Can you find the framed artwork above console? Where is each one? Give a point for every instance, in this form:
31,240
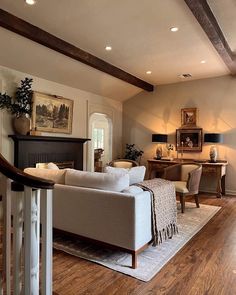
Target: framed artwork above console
189,117
189,140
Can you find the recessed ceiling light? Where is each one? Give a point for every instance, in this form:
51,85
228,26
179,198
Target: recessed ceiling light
174,29
148,72
30,2
108,48
203,61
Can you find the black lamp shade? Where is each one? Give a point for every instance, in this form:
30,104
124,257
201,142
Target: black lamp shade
159,137
213,137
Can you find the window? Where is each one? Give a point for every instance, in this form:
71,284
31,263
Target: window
98,138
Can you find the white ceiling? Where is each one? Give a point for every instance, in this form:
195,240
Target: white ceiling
137,30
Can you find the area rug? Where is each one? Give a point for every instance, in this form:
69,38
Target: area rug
152,259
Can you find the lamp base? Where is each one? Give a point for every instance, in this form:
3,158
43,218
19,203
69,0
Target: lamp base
159,153
213,154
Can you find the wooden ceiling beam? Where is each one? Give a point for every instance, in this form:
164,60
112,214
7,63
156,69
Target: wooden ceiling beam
23,28
209,24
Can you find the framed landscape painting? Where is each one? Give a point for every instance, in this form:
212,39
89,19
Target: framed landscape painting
189,140
52,114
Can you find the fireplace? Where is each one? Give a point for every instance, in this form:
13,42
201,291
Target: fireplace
30,150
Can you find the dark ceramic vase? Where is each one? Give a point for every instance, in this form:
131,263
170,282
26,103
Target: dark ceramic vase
21,125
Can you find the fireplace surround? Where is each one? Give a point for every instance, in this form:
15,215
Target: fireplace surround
30,150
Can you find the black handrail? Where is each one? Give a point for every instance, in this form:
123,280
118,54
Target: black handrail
23,178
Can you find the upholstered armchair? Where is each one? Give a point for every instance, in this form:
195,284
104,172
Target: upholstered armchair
123,163
186,178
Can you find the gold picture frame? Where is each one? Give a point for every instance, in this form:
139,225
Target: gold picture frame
189,117
189,140
52,113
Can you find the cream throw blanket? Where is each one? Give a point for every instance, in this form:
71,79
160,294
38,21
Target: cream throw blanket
164,210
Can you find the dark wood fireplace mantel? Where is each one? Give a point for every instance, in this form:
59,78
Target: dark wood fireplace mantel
29,150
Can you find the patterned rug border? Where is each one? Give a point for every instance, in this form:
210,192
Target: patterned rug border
133,272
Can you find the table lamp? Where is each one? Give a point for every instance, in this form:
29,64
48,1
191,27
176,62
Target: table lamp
213,138
160,138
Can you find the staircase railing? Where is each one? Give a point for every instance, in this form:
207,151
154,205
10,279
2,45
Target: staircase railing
24,197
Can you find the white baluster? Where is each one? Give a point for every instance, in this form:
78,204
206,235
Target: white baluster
37,229
31,242
1,193
17,241
6,202
46,205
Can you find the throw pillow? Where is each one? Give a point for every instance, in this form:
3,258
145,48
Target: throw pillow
52,166
136,174
58,176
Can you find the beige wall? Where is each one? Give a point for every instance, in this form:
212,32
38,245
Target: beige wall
160,112
85,104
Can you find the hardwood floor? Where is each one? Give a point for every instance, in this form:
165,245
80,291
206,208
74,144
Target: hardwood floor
206,265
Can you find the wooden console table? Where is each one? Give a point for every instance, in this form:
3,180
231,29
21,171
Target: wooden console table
218,170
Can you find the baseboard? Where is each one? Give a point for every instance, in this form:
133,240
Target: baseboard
228,192
231,192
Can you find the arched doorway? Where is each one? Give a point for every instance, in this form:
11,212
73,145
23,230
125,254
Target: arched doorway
100,132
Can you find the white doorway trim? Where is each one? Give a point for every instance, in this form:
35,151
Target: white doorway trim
94,120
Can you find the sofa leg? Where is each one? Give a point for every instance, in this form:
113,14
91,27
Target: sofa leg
197,201
182,202
134,259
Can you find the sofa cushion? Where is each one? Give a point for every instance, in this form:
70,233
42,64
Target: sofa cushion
103,181
58,176
136,174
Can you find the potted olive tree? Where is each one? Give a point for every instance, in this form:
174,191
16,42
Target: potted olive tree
20,106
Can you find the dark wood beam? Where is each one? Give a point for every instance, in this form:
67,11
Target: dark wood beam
209,24
23,28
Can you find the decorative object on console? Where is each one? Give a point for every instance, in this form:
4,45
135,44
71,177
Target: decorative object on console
169,148
213,138
133,153
189,140
20,106
159,138
52,113
189,117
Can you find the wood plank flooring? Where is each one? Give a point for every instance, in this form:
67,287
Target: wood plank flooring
206,265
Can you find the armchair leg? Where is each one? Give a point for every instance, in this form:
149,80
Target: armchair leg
182,202
196,200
